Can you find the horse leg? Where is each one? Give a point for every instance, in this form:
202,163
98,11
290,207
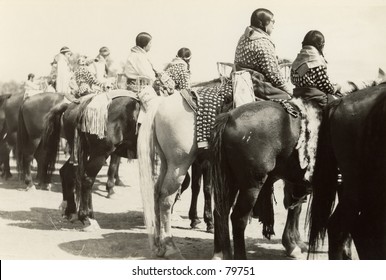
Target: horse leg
172,181
222,242
27,172
5,151
92,166
67,175
208,217
44,181
111,173
118,181
196,176
291,239
240,216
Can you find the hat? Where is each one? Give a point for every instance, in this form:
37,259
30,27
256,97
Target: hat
65,50
104,51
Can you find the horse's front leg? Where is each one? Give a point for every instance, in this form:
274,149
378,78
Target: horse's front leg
208,217
196,176
291,238
67,176
86,212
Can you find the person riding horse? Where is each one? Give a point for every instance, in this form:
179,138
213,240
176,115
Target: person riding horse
179,69
309,71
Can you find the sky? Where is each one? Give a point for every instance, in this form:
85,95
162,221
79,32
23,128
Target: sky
33,31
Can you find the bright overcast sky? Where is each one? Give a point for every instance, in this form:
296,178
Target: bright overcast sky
33,31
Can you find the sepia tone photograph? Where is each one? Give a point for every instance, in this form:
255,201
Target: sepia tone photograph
192,130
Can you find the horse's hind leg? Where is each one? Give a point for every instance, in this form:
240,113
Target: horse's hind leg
118,181
111,174
240,215
172,181
92,166
44,181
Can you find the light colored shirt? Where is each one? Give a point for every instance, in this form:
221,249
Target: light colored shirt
138,64
64,75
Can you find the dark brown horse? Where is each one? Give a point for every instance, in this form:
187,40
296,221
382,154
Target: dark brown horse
120,140
353,139
9,112
30,127
253,146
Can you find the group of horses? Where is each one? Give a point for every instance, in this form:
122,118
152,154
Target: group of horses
252,146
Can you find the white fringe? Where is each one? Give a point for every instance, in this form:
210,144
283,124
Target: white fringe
96,115
308,138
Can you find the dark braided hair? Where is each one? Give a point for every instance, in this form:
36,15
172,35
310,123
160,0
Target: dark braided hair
314,38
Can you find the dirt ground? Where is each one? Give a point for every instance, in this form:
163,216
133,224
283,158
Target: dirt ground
31,226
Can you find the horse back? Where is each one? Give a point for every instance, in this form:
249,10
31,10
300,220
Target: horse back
261,134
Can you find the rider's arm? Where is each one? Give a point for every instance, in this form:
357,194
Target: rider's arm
268,64
321,80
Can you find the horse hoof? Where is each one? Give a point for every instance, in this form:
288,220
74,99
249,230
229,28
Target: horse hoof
217,257
296,253
210,229
94,226
110,193
194,224
47,187
30,188
119,183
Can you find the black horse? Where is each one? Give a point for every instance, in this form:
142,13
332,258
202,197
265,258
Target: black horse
120,141
353,139
253,146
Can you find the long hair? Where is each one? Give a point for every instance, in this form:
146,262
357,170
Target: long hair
260,18
314,38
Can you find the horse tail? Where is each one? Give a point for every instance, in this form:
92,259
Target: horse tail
325,186
147,160
21,141
220,177
51,138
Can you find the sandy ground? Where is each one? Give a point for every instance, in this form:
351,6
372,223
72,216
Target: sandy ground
31,226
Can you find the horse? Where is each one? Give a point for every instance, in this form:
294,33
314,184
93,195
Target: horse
200,169
9,110
120,141
29,134
352,142
169,131
253,145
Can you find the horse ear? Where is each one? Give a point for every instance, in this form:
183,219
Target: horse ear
381,76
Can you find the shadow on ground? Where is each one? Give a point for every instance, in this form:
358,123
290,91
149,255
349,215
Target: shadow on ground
51,219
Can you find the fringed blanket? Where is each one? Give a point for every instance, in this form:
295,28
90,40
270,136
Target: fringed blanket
94,120
308,138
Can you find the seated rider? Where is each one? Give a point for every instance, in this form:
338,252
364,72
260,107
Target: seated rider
85,80
179,69
309,71
31,88
255,50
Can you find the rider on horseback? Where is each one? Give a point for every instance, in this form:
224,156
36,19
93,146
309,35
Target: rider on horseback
309,71
255,50
86,81
179,69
